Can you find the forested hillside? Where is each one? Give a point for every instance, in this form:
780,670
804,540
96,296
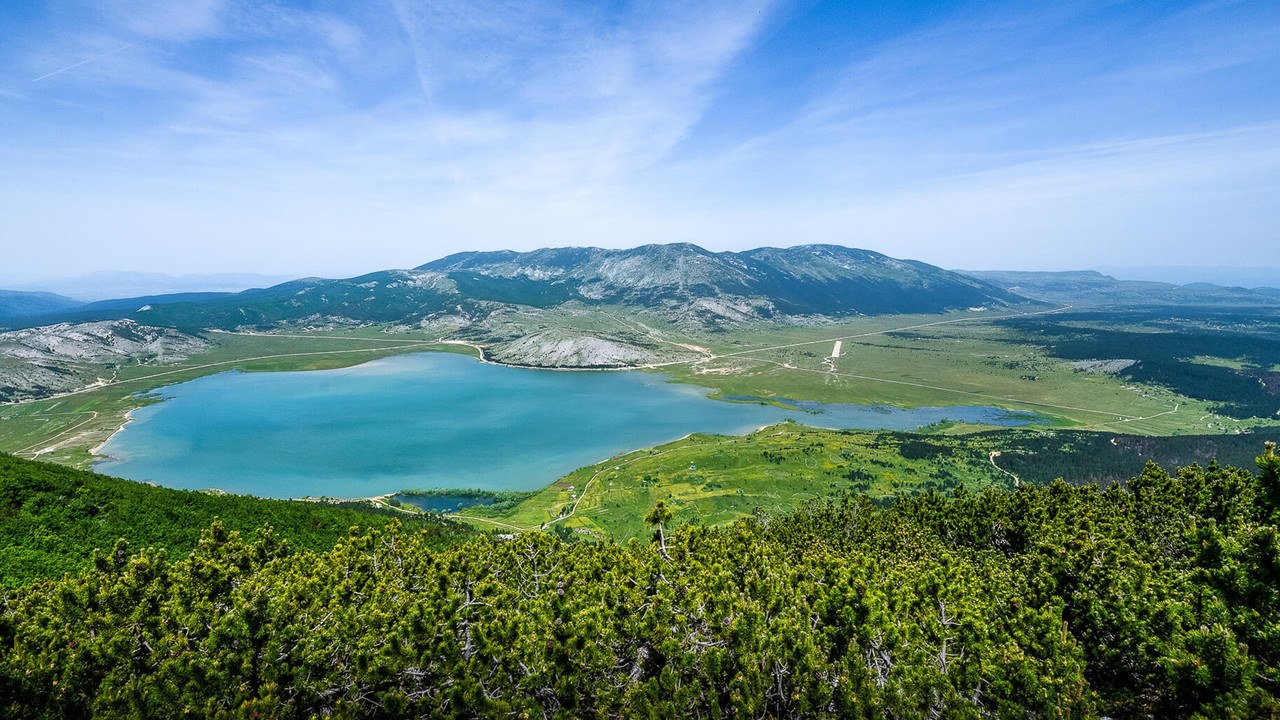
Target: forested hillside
1162,600
16,304
53,517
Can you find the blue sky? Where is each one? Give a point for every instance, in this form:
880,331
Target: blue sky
336,138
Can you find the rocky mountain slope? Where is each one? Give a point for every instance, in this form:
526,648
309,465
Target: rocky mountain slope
680,284
708,287
37,362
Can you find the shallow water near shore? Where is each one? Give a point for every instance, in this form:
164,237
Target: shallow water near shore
438,420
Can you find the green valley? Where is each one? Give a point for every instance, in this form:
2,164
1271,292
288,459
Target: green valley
490,360
967,358
716,480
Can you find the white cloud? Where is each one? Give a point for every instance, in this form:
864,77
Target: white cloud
278,144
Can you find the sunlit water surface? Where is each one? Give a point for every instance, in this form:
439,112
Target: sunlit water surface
432,420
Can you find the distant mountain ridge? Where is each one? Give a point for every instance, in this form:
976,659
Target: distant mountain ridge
1092,288
682,283
1253,277
17,304
113,284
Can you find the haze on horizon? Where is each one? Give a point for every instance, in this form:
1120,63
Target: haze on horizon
333,138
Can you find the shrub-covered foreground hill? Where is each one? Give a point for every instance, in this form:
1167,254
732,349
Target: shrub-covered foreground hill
53,517
1053,601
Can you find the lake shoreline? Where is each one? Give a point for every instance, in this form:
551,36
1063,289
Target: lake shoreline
440,420
96,451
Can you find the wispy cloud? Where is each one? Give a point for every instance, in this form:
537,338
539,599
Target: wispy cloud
579,97
173,21
86,61
980,91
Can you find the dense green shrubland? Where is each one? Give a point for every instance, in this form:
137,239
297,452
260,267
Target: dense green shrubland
1053,601
53,517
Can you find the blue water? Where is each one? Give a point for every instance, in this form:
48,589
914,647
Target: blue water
443,503
438,420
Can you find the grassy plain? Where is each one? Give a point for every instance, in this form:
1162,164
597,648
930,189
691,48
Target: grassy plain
713,479
972,362
961,358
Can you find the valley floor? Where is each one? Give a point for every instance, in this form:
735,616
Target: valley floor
969,358
715,480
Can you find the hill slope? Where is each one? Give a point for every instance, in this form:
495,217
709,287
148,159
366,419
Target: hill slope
35,362
18,305
52,518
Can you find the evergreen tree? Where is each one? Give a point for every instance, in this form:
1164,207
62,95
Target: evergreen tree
1269,484
658,517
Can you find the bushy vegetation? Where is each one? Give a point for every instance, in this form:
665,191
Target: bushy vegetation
1055,601
52,518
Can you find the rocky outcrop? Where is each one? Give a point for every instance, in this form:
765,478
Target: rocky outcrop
99,342
43,361
558,348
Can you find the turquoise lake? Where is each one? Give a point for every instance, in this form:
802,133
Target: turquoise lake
432,420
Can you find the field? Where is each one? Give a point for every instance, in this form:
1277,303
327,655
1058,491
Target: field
713,480
962,358
973,361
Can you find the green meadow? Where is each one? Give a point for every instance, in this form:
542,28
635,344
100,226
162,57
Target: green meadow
974,362
714,480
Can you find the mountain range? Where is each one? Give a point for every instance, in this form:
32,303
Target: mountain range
1092,288
680,283
110,284
577,307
